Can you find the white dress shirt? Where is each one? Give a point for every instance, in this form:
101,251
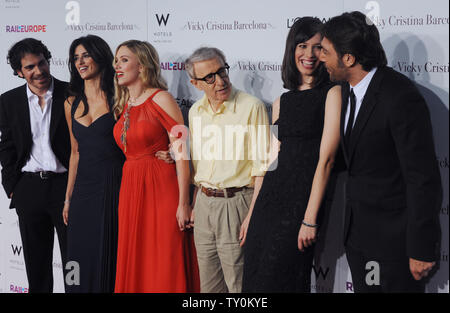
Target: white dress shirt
360,90
42,157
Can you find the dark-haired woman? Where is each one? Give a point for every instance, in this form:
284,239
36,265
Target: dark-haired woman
95,169
279,243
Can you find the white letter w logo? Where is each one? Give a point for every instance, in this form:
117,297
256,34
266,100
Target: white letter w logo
162,19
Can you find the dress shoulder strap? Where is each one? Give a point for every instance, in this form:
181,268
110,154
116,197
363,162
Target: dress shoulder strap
75,104
165,119
155,93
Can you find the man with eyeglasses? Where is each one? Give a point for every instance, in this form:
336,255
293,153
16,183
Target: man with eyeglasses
228,128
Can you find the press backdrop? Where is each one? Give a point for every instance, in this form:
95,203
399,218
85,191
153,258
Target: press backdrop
252,33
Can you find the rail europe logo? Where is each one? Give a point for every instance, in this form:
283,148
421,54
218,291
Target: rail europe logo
17,289
172,66
26,28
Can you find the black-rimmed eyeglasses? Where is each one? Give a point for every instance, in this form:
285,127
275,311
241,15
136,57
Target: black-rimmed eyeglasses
211,77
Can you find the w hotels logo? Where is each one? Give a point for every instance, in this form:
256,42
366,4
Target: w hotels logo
16,250
320,272
162,19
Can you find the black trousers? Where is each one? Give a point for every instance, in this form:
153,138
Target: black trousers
39,204
394,276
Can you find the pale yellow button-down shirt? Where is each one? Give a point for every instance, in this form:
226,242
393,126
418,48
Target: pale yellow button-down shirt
229,147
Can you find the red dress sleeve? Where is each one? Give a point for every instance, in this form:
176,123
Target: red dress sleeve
172,126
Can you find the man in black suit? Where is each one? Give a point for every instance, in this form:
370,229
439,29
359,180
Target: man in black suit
393,191
34,154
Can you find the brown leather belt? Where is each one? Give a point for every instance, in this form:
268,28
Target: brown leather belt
223,193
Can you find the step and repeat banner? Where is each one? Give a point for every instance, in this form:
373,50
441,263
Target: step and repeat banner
252,34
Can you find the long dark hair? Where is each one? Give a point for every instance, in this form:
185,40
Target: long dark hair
101,53
351,33
302,30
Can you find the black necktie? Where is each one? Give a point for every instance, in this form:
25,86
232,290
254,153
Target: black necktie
351,118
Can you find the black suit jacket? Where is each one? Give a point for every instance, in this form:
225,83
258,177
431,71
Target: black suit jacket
16,138
393,191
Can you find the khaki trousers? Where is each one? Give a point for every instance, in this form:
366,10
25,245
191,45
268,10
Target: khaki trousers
216,234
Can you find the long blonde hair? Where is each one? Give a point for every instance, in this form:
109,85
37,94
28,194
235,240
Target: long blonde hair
150,76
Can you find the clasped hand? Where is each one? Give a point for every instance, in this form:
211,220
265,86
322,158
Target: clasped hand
306,237
185,217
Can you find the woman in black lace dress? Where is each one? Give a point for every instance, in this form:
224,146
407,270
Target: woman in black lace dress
279,237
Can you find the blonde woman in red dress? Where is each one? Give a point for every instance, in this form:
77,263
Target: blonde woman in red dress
155,245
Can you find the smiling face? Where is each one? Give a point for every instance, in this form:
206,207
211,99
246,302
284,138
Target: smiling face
127,66
335,66
307,56
85,64
220,90
36,71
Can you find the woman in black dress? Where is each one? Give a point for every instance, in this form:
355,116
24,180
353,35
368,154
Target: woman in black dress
95,169
279,237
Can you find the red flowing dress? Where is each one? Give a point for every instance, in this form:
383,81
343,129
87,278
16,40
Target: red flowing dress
153,254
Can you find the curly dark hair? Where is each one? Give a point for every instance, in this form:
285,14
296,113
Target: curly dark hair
25,46
101,53
353,34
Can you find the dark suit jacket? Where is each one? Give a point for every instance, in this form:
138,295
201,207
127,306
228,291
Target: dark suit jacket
393,191
16,138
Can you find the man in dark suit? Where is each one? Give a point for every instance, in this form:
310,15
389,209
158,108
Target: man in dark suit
34,155
393,191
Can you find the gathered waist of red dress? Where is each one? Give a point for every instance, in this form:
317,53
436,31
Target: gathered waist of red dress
142,156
